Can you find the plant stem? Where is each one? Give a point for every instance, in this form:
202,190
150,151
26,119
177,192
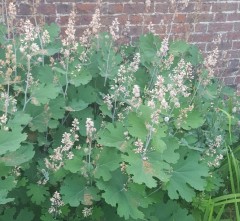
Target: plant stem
26,100
149,137
105,80
66,77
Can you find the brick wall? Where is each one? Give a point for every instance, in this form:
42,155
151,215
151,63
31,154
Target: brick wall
200,23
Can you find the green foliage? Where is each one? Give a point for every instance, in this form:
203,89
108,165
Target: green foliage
100,131
37,193
11,140
117,192
187,174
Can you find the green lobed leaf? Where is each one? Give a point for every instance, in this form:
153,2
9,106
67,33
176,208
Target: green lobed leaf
73,165
44,92
97,214
24,154
39,116
6,185
75,191
76,105
137,126
37,193
112,136
25,215
86,93
128,201
20,119
169,211
142,171
108,161
56,108
8,214
11,140
81,78
178,47
44,74
169,155
194,120
188,175
147,44
158,143
53,30
3,197
194,56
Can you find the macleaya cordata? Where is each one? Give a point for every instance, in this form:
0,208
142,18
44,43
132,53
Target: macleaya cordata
93,129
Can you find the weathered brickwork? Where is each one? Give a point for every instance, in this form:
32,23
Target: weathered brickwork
201,22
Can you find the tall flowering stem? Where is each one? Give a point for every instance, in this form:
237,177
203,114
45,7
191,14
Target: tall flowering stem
90,130
69,47
26,99
56,203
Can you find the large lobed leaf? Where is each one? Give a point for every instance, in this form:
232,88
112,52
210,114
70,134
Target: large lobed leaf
108,161
188,175
127,198
37,193
74,191
11,140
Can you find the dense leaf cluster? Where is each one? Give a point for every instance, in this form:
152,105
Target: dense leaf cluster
145,161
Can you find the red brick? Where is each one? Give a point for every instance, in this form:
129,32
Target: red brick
136,19
155,19
84,19
191,7
179,28
229,80
60,1
204,17
221,46
223,6
63,20
237,81
236,45
50,19
136,30
160,29
79,31
201,46
233,64
220,17
233,17
180,18
115,8
47,9
85,8
201,38
234,54
25,9
220,27
138,1
205,7
64,8
237,26
200,28
233,35
107,20
114,1
134,8
162,8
